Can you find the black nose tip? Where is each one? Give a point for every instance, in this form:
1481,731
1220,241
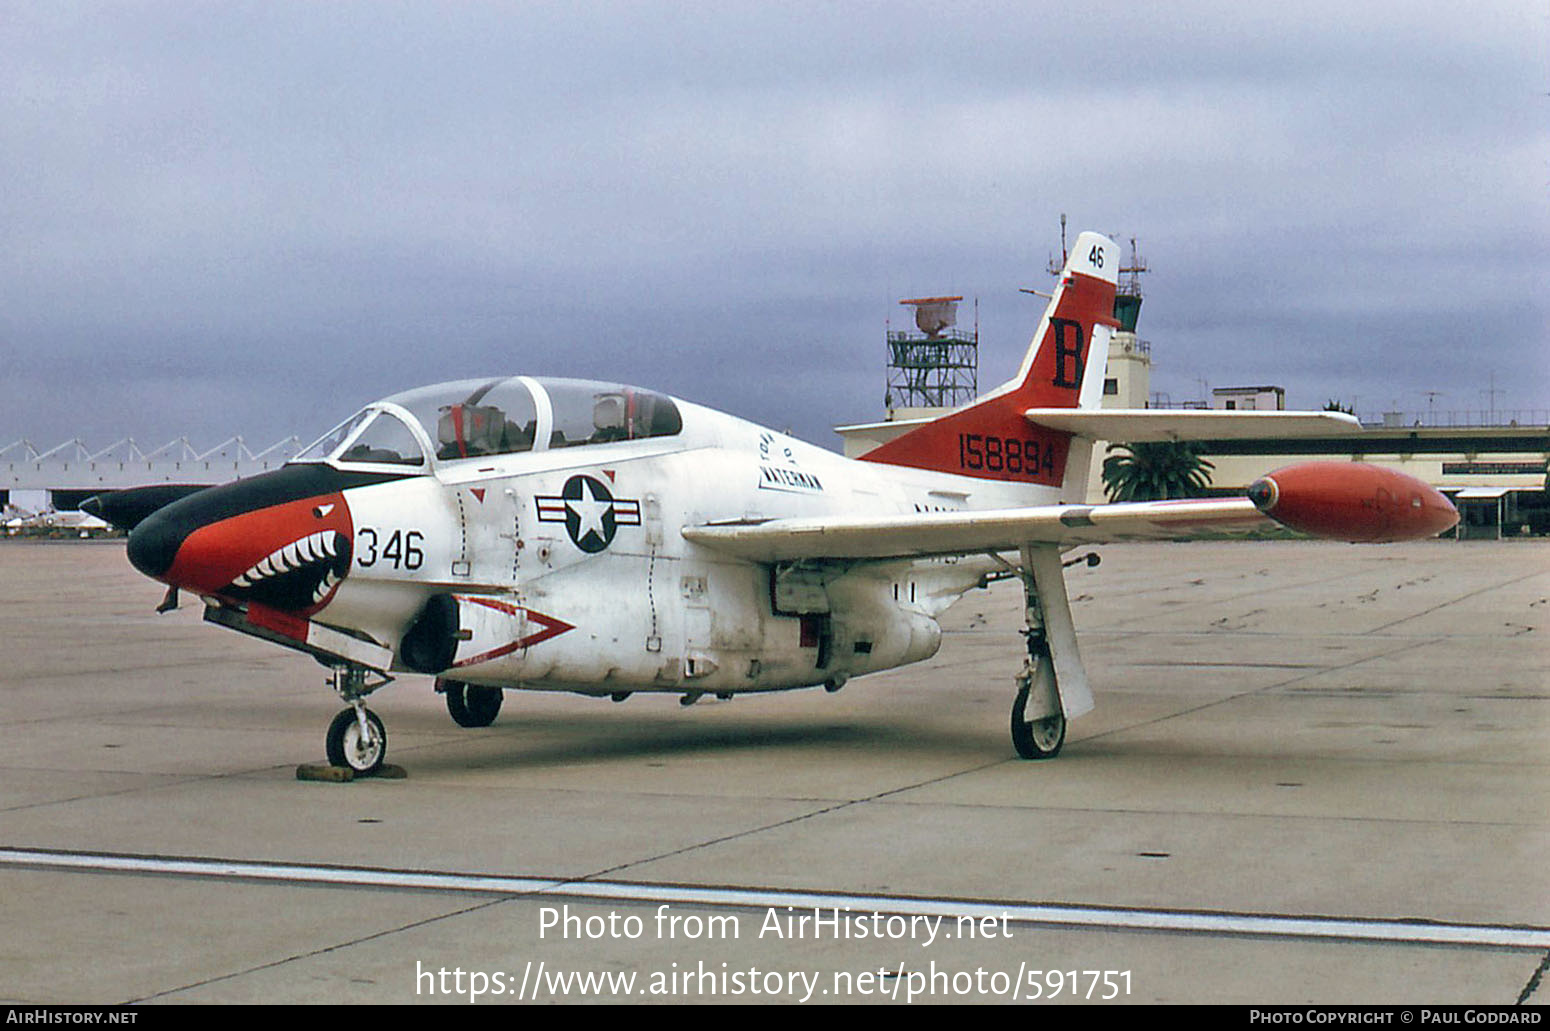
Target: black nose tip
154,543
1263,492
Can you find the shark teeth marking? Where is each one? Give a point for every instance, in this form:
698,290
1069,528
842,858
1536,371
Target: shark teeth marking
329,580
316,547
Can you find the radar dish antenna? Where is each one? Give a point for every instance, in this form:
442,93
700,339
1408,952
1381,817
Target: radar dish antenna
934,314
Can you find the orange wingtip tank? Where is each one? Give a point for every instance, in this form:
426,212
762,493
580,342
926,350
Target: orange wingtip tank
1353,501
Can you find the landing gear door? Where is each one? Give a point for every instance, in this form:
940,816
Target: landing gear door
1076,698
490,527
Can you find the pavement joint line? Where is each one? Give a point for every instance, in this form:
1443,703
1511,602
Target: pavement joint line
799,818
1534,981
1351,572
1240,695
161,780
1453,601
1213,814
320,951
1392,931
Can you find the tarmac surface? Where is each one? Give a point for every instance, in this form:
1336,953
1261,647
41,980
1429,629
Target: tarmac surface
1316,773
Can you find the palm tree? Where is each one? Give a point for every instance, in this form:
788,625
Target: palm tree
1155,471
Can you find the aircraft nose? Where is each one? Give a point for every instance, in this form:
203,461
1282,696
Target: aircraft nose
154,544
281,539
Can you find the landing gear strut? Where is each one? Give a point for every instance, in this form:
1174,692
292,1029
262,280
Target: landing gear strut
1038,713
356,738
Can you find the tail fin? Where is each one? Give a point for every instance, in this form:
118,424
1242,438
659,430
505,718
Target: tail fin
1064,366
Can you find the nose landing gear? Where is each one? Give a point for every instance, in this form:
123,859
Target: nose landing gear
356,738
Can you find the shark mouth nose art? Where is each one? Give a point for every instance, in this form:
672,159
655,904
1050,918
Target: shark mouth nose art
283,539
300,575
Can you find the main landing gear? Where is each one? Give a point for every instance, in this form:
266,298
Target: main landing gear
1038,713
1042,736
356,739
471,705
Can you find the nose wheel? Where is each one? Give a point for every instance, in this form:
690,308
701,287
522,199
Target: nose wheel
357,740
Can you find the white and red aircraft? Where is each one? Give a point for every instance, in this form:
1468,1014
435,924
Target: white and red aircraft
555,534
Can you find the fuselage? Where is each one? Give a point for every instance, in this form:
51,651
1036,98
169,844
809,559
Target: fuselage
525,533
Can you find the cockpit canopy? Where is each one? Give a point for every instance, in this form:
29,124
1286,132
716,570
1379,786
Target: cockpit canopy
478,418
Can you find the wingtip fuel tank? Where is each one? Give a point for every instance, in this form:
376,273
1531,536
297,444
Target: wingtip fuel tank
1353,501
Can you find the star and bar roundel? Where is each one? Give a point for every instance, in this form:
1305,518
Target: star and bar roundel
590,512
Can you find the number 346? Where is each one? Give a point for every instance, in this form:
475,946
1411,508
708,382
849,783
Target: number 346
402,548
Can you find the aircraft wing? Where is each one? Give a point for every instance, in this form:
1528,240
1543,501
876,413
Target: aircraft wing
959,533
1348,501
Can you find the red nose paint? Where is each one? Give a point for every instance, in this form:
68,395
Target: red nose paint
216,557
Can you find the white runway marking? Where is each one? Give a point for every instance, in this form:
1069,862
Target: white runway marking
1183,921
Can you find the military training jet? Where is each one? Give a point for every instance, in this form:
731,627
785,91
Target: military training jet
528,533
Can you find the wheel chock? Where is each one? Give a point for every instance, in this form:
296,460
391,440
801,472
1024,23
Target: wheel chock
343,774
324,772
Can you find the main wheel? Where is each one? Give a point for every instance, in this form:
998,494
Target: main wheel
1036,739
348,747
472,705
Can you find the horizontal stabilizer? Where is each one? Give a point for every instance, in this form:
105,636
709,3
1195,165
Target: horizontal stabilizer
1137,425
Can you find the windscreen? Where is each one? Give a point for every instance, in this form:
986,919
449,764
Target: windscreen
474,418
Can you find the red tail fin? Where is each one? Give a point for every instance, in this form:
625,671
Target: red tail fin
1064,366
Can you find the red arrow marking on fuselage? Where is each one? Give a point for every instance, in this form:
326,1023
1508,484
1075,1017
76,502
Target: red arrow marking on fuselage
550,627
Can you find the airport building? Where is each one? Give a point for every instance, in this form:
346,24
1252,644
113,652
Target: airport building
36,486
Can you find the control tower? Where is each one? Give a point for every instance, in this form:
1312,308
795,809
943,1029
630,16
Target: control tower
1128,378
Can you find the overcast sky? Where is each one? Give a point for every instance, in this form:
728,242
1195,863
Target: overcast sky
232,218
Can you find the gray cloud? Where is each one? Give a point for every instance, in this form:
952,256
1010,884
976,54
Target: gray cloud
250,218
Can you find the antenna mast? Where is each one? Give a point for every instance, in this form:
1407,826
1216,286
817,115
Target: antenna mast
1057,267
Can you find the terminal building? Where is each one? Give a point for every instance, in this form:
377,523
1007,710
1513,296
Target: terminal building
1491,464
